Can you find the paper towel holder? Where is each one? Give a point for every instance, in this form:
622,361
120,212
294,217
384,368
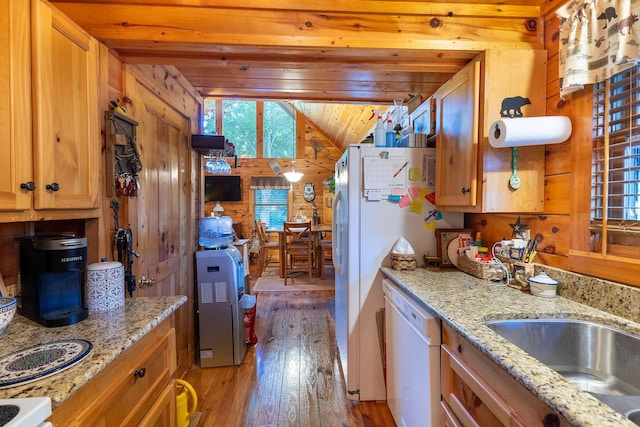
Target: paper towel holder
495,133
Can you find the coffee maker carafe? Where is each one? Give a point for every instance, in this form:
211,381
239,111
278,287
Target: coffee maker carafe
52,272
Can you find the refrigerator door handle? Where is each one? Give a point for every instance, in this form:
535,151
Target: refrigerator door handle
337,231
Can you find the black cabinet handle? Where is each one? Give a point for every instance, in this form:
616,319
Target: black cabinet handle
53,187
140,373
29,186
465,190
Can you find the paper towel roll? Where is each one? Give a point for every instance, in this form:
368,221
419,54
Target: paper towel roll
104,286
523,131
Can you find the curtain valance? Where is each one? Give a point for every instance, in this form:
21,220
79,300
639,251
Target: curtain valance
268,182
598,38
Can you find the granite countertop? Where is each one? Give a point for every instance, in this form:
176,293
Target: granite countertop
111,332
467,303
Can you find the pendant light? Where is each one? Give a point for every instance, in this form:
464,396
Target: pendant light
293,176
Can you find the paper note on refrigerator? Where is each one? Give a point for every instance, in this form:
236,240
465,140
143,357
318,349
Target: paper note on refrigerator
384,174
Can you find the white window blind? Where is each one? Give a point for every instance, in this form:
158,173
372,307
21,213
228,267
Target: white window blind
271,206
615,179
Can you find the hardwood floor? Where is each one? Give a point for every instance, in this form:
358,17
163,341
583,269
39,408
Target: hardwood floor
291,377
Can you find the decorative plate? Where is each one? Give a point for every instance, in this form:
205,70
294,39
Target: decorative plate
452,251
42,360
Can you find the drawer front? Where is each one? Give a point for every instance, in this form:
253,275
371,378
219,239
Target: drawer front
447,418
163,411
137,388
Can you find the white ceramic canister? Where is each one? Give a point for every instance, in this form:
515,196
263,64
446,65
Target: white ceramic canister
104,285
542,285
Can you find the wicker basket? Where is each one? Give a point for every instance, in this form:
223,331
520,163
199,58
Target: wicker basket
403,261
475,268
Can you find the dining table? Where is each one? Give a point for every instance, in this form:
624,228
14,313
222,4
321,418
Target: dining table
316,235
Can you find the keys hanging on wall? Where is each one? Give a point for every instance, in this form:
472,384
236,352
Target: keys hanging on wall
126,184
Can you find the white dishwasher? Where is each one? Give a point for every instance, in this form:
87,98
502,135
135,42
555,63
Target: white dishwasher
412,337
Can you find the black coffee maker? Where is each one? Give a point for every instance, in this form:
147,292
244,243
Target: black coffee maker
52,270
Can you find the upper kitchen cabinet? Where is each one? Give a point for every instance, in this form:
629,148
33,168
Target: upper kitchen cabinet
15,110
66,131
472,176
51,145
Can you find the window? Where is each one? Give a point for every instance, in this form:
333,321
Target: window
271,207
239,126
615,178
279,130
252,124
209,125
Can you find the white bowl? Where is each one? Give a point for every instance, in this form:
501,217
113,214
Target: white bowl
7,311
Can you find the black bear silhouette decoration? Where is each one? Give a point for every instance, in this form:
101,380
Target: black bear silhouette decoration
511,107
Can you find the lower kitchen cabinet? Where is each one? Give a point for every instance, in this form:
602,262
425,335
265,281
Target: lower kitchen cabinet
138,388
476,391
163,411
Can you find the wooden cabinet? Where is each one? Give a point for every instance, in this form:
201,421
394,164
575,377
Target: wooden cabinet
138,388
423,119
54,164
15,110
476,391
457,138
472,176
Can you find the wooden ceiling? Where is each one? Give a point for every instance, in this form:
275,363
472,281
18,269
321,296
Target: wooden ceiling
344,54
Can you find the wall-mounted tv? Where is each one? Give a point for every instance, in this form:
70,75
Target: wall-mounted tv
222,188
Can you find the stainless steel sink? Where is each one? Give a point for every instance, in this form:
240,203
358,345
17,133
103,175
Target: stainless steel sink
599,359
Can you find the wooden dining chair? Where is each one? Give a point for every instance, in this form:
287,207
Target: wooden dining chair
325,253
298,244
265,245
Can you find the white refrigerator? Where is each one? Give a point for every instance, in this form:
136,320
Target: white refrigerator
377,201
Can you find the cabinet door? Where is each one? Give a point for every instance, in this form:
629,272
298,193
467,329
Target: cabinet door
15,110
457,138
66,133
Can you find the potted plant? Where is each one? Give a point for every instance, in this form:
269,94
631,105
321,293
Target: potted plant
331,183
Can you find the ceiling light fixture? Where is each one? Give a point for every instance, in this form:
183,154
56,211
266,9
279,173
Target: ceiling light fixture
293,176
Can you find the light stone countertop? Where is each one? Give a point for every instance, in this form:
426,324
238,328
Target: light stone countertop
111,332
467,303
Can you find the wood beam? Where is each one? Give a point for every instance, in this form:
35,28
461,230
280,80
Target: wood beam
487,8
302,28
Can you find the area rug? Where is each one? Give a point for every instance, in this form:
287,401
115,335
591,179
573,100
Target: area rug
270,281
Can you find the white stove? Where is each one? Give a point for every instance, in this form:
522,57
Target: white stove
25,412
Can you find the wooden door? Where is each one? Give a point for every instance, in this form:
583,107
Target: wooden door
160,214
15,110
66,132
457,138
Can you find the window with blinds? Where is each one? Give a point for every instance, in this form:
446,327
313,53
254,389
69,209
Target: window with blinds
271,206
615,179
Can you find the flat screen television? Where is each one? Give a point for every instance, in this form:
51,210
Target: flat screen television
222,188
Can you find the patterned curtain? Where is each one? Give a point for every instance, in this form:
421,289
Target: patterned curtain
598,38
269,182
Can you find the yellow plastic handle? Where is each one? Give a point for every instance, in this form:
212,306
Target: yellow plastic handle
192,392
